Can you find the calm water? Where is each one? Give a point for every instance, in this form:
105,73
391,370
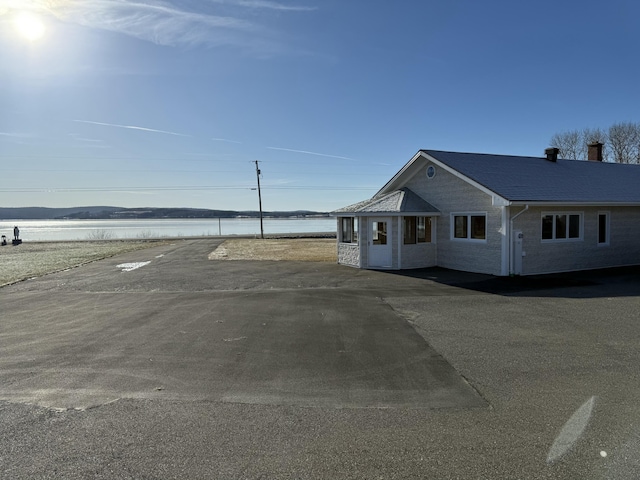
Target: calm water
52,230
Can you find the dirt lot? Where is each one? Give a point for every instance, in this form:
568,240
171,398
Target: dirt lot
36,259
298,249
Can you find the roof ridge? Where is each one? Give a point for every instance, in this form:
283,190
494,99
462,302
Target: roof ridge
400,198
485,154
504,155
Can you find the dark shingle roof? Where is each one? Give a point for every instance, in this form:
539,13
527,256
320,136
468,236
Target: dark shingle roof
398,201
537,179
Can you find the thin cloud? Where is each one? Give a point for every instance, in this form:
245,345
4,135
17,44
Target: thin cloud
83,142
312,153
225,140
84,139
165,22
133,127
14,135
266,4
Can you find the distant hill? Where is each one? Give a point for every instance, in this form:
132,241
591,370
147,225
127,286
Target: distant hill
108,213
42,213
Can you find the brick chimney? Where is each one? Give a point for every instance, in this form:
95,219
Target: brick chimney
552,154
595,152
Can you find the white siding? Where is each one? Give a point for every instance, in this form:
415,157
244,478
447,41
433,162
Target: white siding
396,224
419,255
549,257
448,194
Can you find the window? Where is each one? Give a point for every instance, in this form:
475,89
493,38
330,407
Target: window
417,230
379,233
603,228
349,230
424,230
562,226
469,226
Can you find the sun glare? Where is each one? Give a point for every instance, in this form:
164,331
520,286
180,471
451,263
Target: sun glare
29,26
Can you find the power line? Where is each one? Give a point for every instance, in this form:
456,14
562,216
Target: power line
179,188
155,170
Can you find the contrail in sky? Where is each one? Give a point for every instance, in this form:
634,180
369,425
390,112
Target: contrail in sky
225,140
132,127
311,153
171,22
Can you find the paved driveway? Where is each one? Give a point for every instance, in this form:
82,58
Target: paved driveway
170,324
190,368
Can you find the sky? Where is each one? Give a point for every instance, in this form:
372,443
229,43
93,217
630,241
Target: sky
168,103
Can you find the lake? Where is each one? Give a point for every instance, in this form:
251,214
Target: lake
56,230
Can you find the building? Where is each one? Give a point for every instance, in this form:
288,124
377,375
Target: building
497,214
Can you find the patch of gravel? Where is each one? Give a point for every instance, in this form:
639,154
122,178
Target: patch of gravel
293,249
36,259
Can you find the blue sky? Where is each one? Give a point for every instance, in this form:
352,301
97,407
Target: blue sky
167,103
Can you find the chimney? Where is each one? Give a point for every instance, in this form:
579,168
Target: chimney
552,154
595,152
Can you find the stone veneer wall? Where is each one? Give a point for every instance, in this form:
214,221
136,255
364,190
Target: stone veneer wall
349,254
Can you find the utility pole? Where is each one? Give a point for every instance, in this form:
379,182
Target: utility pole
259,200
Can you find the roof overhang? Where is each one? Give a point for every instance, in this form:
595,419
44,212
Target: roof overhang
385,214
401,178
402,202
551,203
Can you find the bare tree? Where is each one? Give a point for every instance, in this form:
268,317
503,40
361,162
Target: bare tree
624,142
621,142
569,144
573,144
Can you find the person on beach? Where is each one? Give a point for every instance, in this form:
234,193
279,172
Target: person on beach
16,232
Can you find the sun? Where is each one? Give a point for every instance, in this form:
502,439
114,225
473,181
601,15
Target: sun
29,26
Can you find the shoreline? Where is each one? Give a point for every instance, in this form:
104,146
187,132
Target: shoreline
61,230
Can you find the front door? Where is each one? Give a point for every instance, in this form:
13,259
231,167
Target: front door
380,242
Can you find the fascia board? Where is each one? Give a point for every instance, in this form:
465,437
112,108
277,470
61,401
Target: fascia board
387,214
400,200
397,214
393,182
574,204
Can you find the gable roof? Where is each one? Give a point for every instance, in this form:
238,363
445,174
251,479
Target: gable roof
534,179
403,201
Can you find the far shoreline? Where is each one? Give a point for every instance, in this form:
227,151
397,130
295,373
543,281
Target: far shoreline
324,235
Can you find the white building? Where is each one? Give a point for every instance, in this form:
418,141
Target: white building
497,214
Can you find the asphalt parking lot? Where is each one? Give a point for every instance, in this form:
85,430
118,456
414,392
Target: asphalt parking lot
191,368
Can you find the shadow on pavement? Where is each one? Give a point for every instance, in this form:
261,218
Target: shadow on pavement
610,282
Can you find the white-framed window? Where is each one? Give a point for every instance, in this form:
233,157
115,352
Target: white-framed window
416,230
561,226
604,223
349,229
471,227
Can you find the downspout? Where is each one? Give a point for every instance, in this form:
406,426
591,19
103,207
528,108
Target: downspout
511,253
